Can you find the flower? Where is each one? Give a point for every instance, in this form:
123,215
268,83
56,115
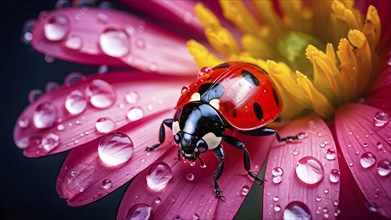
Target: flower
286,39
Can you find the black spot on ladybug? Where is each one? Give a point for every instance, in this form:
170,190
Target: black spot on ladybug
223,65
250,77
210,91
258,111
276,99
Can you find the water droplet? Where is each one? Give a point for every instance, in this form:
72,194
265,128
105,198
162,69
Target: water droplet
140,43
295,152
244,191
336,203
193,163
103,69
102,18
23,143
75,102
73,77
23,122
379,146
153,67
334,176
158,176
60,127
27,31
319,134
330,154
309,170
139,211
34,95
383,167
318,198
196,217
372,207
131,97
380,119
277,208
205,71
106,184
115,43
104,125
277,179
73,173
297,210
158,200
115,148
150,107
185,90
100,94
325,215
45,115
135,114
322,145
365,145
49,58
74,42
51,86
190,176
50,141
367,159
203,166
351,164
56,28
277,171
276,198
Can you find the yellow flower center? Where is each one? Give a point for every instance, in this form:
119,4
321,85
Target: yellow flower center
311,75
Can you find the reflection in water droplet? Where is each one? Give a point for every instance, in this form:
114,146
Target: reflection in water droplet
330,154
297,210
100,94
74,42
277,171
45,115
135,114
309,170
380,119
23,122
139,211
34,95
277,179
158,176
75,102
104,125
383,167
244,191
115,148
190,176
367,159
106,184
50,141
115,43
334,176
56,28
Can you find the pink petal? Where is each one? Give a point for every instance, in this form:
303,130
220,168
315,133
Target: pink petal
111,37
317,192
84,176
358,135
190,199
178,16
74,130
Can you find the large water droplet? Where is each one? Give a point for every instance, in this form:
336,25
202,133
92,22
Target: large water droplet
330,154
334,176
73,77
75,102
139,211
74,42
56,28
131,97
115,43
50,141
297,210
104,125
383,167
45,115
244,191
367,159
115,148
34,95
100,94
277,171
159,174
380,119
106,184
309,170
135,114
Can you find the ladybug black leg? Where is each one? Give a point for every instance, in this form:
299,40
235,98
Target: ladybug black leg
162,134
265,131
246,157
219,151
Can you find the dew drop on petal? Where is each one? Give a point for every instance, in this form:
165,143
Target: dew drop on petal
51,86
23,122
75,102
131,97
277,171
190,176
277,179
104,125
100,94
185,90
309,170
73,78
295,152
380,119
379,146
34,95
334,176
153,67
318,198
330,154
27,31
23,143
365,145
139,211
244,191
115,43
158,200
277,208
135,114
205,71
196,217
115,148
56,28
367,159
60,127
158,176
297,210
74,42
106,184
383,167
102,18
50,141
45,115
276,198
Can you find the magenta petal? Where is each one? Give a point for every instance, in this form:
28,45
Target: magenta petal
85,177
289,184
189,198
380,93
179,15
60,130
96,36
359,136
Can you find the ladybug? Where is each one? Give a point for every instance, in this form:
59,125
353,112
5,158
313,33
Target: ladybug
234,95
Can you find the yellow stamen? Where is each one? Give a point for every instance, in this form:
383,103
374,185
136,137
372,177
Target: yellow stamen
201,55
371,28
222,40
269,16
207,18
348,69
345,14
297,16
259,49
330,52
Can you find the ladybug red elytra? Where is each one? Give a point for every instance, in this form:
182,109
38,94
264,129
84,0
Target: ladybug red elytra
234,95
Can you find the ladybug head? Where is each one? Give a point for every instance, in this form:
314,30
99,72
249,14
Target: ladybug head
191,146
